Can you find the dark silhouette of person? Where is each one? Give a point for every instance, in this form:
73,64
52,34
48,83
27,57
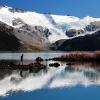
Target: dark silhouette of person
21,73
21,59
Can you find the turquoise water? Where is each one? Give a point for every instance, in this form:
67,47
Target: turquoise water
67,82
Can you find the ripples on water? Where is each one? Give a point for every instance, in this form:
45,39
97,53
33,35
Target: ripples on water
63,76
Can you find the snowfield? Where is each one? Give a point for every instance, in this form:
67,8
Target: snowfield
56,24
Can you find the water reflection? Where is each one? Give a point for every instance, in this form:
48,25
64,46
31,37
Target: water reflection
67,75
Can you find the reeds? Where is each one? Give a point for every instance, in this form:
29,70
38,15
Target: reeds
80,56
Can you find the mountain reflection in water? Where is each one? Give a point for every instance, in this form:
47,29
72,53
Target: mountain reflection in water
67,75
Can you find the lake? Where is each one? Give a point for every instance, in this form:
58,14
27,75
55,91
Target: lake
80,81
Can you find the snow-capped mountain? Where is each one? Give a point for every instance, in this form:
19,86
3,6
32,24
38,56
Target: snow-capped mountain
32,19
59,26
40,30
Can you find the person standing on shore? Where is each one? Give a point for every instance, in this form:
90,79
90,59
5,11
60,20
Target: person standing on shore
21,59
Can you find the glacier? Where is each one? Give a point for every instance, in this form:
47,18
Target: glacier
57,24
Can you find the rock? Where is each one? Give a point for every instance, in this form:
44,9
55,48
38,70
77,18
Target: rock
36,67
74,32
54,65
39,59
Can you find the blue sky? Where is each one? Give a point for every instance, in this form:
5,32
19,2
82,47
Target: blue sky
78,8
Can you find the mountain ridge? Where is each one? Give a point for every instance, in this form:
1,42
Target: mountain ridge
57,24
42,30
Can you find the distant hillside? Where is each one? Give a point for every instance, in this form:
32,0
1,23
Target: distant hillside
82,43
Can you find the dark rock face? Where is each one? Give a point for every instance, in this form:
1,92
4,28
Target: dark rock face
93,26
7,40
12,9
45,31
82,43
73,32
17,21
16,10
